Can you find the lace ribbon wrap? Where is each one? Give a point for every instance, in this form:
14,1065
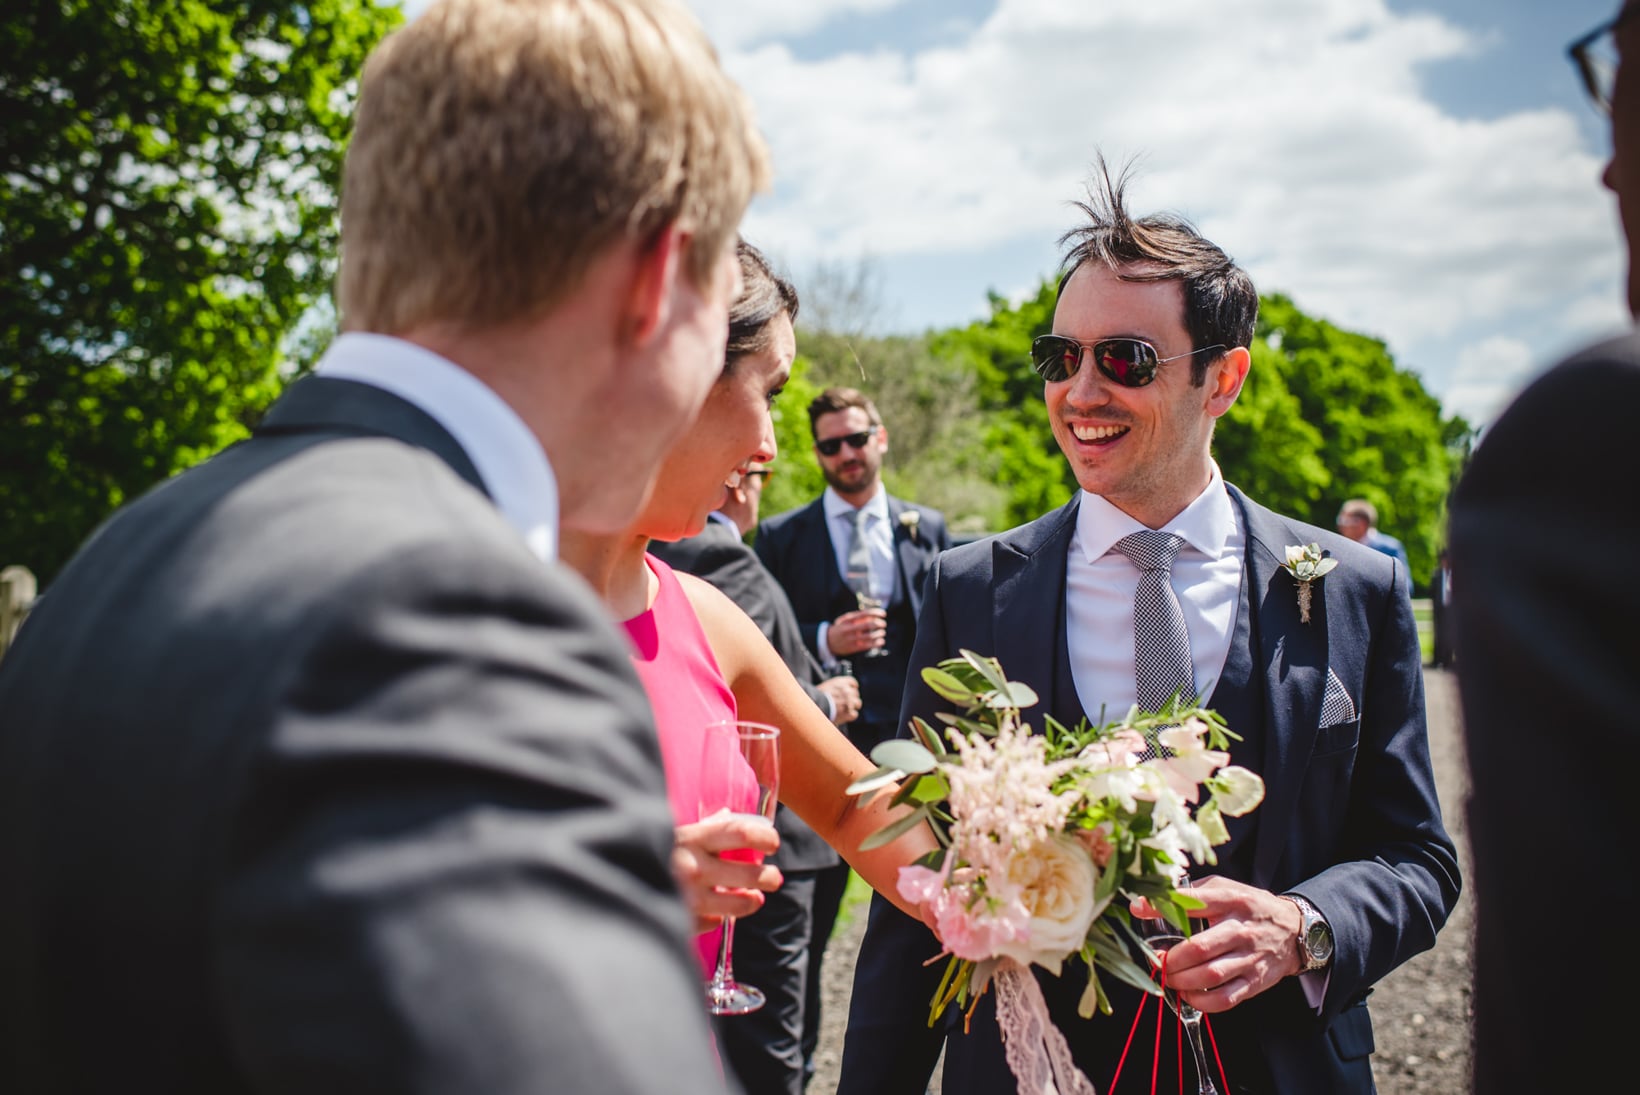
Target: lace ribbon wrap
1037,1052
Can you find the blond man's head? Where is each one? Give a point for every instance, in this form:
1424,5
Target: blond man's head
502,145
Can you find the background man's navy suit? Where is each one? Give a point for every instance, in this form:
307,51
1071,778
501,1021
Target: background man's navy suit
1332,716
796,547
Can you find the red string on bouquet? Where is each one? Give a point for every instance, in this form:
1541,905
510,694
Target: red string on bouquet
1156,1052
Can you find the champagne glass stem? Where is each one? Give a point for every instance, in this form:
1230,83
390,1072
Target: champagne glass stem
1192,1020
724,974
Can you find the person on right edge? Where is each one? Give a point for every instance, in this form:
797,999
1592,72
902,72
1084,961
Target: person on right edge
1543,551
1158,577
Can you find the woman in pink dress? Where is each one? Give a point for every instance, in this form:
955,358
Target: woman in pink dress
702,658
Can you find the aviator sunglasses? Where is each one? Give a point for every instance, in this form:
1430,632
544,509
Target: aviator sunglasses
831,446
1131,362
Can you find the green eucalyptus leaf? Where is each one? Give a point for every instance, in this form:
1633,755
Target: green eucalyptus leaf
895,829
931,788
884,776
946,686
904,754
988,668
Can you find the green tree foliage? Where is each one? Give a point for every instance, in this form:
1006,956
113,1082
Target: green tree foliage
1380,434
928,402
170,193
1014,446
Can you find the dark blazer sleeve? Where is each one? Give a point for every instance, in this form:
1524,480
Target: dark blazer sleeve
416,899
1545,602
890,1048
1371,848
780,548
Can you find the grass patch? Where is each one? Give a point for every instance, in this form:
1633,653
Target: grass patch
854,902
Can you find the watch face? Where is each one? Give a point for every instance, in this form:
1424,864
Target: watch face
1318,941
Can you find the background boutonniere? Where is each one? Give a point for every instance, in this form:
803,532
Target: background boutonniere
1306,565
909,521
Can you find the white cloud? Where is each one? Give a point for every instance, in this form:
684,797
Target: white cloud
1488,375
738,22
1294,132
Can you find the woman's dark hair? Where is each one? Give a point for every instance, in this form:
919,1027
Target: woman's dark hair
764,295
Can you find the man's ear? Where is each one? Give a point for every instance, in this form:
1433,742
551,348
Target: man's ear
882,437
1225,378
655,272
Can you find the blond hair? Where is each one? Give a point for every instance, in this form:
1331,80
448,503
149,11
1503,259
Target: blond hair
500,146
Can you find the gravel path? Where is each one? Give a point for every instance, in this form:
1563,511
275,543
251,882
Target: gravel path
1421,1011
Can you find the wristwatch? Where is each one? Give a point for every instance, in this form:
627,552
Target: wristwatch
1315,937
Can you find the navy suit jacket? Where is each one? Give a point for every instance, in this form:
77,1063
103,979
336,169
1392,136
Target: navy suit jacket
796,548
1332,713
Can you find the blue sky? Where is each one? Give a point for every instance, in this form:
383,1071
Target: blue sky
1426,171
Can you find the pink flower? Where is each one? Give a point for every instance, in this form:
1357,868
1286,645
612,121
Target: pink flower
1097,841
977,932
921,885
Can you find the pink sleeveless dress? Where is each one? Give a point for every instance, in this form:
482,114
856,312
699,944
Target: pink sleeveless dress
688,692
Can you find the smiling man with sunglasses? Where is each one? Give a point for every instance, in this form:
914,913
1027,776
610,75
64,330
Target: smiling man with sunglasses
1159,577
1549,652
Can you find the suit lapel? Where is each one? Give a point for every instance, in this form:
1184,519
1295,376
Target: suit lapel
1028,566
907,554
318,404
1293,656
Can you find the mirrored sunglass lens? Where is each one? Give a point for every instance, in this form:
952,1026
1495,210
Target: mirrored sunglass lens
1055,357
1126,361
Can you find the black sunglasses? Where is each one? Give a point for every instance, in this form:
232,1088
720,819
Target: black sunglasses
1598,67
1131,362
831,446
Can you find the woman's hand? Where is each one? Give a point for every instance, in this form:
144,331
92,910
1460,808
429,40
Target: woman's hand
715,887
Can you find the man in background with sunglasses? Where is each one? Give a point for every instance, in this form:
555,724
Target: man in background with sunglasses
856,545
1546,623
1159,577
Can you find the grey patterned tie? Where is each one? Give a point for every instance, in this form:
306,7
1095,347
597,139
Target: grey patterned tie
1161,642
858,560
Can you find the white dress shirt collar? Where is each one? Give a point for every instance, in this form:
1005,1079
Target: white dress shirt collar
835,506
508,456
1208,524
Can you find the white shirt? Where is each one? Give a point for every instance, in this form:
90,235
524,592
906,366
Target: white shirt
1100,583
506,453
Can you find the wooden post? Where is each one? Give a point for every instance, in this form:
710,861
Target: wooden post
17,589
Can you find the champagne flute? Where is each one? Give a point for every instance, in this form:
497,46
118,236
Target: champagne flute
859,582
1161,936
740,772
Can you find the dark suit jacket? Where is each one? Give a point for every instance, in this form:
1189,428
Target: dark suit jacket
1350,817
313,779
796,548
1546,601
722,558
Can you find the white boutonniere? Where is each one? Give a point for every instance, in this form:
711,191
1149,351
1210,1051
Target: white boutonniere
909,519
1306,565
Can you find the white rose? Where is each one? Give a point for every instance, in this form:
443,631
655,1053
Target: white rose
1055,882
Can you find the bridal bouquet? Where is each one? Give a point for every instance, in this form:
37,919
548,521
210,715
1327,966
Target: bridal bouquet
1040,834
